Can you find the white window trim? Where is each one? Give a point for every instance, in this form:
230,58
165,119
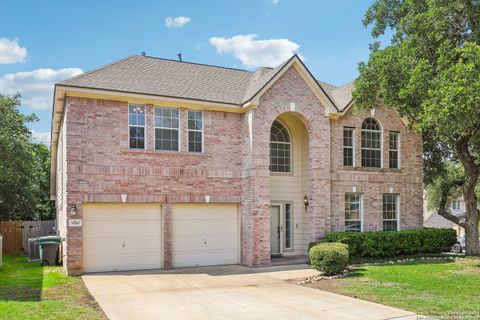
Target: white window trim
397,205
178,129
381,143
195,130
352,147
398,148
361,211
137,126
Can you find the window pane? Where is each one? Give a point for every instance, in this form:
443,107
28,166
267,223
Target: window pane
137,137
194,141
371,144
353,215
393,154
166,139
288,226
390,211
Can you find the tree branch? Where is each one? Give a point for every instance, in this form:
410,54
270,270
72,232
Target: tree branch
442,208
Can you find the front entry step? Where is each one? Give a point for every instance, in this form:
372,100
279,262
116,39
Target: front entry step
285,260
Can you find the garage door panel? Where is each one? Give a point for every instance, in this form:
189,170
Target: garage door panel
121,237
204,235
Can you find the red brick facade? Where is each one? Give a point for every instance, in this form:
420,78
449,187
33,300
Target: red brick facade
234,167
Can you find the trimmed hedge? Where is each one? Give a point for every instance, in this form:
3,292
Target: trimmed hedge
329,258
383,244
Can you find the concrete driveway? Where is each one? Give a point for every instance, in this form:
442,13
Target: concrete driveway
226,292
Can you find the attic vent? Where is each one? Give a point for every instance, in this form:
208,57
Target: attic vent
144,53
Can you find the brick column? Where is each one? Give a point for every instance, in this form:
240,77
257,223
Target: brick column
167,236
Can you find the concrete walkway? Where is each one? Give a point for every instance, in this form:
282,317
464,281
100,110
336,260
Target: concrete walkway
226,292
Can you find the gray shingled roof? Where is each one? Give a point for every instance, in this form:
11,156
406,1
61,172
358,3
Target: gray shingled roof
171,78
437,221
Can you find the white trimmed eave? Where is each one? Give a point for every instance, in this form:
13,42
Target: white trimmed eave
306,76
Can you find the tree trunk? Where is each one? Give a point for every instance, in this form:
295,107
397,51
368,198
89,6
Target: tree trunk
472,245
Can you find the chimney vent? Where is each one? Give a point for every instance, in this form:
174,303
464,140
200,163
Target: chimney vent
179,57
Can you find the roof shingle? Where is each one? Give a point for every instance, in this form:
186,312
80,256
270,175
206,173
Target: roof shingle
171,78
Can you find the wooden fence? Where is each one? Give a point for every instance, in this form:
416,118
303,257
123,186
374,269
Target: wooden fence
16,234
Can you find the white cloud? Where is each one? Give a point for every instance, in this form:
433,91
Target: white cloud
11,52
256,53
36,87
275,1
177,22
41,137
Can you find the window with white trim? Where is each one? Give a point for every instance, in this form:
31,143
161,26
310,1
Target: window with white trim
195,131
280,148
136,125
394,149
371,144
348,147
166,128
391,212
353,212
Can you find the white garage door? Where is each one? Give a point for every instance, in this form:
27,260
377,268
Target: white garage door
121,237
204,235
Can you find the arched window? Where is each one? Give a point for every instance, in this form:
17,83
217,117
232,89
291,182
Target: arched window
280,148
371,144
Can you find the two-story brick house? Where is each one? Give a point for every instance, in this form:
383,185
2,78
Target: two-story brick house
159,163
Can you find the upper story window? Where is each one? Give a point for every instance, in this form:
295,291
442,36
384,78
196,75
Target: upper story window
136,125
166,129
455,205
348,147
195,131
280,148
390,212
371,144
353,212
394,150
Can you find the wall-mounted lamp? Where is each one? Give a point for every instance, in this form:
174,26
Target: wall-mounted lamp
73,210
306,202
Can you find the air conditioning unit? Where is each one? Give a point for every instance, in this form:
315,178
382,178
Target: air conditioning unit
33,250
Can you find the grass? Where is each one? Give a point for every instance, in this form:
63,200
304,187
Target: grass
427,287
29,291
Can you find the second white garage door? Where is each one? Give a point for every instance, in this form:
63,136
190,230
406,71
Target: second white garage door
204,235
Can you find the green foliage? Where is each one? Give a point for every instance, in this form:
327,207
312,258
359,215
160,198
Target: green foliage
24,166
453,172
382,244
329,258
430,73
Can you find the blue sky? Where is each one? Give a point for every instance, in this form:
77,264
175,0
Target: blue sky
43,42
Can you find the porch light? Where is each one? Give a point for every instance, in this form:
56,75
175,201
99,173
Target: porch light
73,210
306,202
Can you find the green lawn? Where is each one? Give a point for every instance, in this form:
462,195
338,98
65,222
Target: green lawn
29,291
425,287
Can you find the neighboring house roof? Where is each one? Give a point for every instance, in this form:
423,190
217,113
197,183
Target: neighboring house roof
172,78
437,221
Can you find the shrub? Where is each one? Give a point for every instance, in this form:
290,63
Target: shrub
329,258
383,244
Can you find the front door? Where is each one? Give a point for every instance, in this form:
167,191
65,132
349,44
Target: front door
275,230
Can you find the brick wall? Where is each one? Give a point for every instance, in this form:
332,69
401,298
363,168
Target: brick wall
100,166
